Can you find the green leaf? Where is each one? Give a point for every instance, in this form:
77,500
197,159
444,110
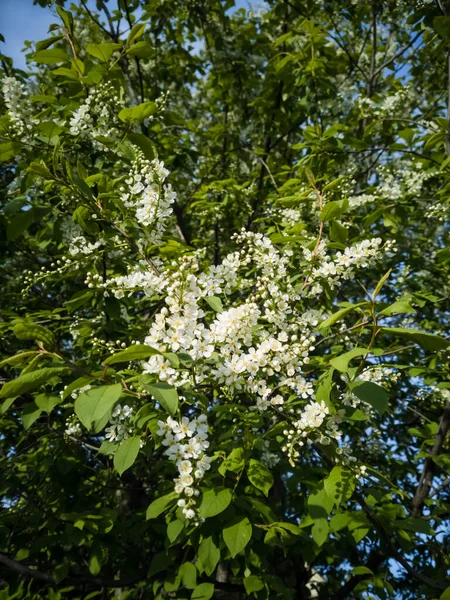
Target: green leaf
234,462
160,505
380,284
253,583
445,595
214,502
414,524
174,528
94,406
137,352
428,341
260,476
137,113
215,303
337,316
141,49
32,331
237,535
442,26
338,233
95,560
29,381
372,393
188,574
136,31
166,395
341,363
339,485
20,224
204,591
401,306
102,51
51,57
29,415
9,150
126,454
333,210
208,555
47,403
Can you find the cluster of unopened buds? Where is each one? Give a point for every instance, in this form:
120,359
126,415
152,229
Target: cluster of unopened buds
186,441
58,267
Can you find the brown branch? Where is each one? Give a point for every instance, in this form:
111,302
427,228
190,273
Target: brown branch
22,569
426,478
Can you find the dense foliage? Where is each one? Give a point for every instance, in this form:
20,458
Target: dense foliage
225,301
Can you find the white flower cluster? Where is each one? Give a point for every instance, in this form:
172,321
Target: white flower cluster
343,264
20,108
308,428
380,375
96,115
73,236
149,196
73,427
256,348
120,428
186,441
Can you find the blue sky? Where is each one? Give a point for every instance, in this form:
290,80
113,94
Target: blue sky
20,21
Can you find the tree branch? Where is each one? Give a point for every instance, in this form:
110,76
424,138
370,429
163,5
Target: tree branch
22,569
426,478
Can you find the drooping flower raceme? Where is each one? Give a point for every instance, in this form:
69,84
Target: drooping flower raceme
20,108
186,442
149,196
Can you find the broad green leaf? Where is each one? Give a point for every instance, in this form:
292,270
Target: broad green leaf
166,395
9,150
208,555
260,476
126,454
137,352
93,406
337,316
102,51
20,223
401,306
47,403
333,210
253,583
415,524
372,393
18,359
233,462
141,49
30,381
95,560
428,341
188,574
341,363
138,113
32,331
51,57
204,591
339,485
160,505
215,303
174,528
30,413
214,501
445,595
237,535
